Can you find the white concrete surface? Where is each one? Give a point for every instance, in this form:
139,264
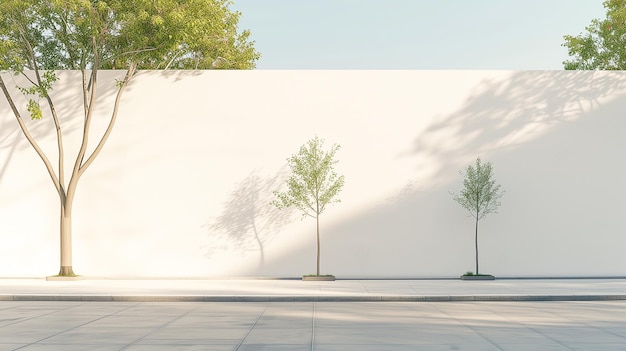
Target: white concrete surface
182,188
337,290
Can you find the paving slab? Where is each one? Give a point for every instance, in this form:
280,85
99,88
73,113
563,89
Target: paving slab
312,326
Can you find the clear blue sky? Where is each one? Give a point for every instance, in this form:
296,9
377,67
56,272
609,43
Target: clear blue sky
414,34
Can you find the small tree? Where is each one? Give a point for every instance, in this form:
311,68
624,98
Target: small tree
313,183
480,195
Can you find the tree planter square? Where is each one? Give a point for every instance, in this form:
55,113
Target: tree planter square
63,278
478,277
319,278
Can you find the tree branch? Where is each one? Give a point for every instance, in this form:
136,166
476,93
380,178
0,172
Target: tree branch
129,75
33,143
55,118
88,101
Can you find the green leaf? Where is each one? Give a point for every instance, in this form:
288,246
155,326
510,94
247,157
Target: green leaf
34,109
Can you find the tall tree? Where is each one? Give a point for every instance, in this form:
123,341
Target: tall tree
480,195
38,37
313,183
603,46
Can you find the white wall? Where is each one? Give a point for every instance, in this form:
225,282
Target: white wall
185,180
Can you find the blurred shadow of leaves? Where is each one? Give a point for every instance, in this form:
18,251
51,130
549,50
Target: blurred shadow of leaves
503,114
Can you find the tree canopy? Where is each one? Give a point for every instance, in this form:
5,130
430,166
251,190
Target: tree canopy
85,34
480,195
603,45
313,183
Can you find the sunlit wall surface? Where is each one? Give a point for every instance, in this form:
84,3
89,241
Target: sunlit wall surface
183,186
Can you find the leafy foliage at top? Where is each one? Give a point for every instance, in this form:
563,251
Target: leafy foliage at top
313,183
115,34
603,46
480,195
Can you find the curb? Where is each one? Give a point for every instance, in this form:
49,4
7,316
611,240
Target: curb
301,298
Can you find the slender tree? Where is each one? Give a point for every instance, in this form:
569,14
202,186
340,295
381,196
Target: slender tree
603,46
313,183
38,37
480,195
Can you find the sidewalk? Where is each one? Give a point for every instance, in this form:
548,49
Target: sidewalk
257,290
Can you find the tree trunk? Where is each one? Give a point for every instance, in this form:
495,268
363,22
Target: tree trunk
66,245
317,219
476,240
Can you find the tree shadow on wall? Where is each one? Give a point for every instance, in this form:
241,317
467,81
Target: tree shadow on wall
176,74
503,114
248,221
8,140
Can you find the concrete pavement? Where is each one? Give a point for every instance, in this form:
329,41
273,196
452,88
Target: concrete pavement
364,315
312,326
